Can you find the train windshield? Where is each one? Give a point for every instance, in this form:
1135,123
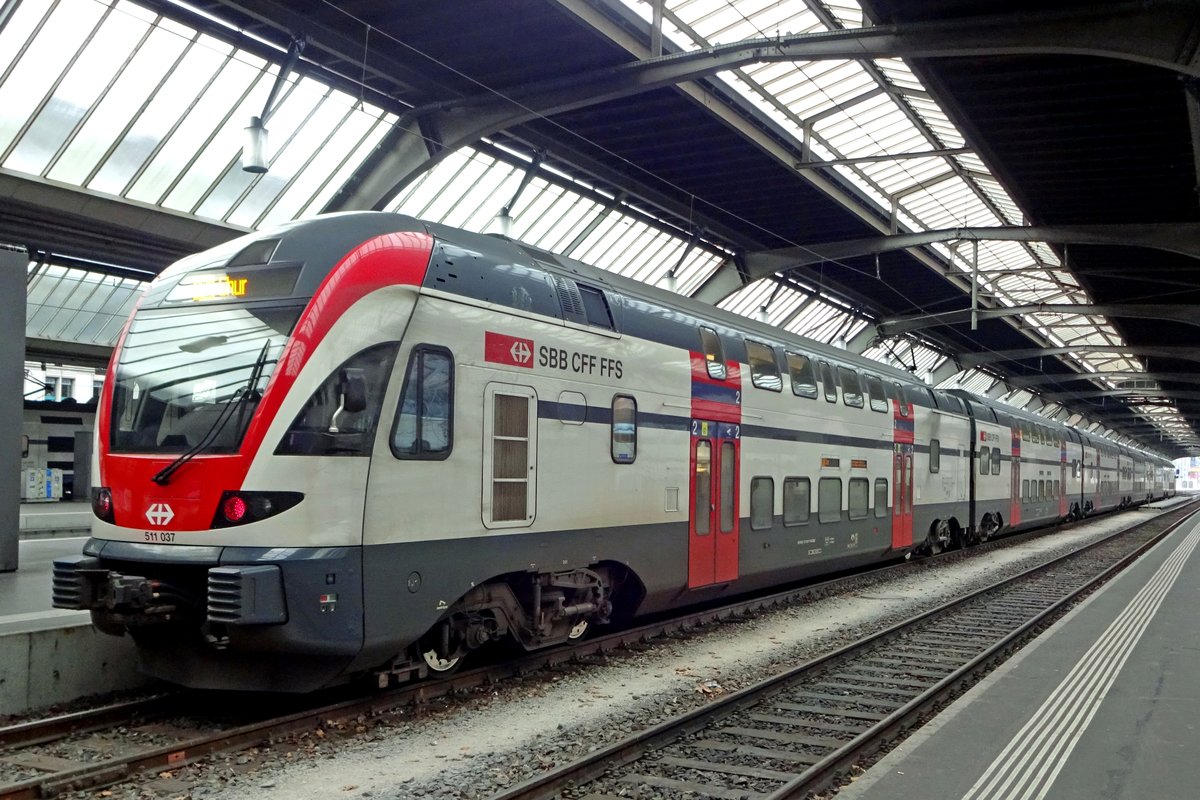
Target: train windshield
191,377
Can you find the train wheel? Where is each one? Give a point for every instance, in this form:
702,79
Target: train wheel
938,538
987,528
438,664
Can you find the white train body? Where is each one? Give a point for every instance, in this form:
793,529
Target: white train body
366,443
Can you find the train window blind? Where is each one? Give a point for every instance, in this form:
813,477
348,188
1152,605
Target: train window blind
858,495
510,446
935,455
796,502
829,500
764,369
985,460
762,503
714,354
881,498
804,379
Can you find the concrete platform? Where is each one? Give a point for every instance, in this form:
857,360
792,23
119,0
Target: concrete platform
50,656
1106,704
63,518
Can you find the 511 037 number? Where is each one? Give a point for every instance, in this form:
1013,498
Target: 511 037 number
159,536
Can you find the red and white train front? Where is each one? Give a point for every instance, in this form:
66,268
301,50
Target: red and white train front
219,551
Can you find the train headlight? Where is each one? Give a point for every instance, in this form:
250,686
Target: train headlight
240,508
102,503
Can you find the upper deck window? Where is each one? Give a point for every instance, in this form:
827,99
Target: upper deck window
714,354
764,369
800,370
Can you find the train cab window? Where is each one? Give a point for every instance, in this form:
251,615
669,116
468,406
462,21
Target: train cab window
796,502
985,460
935,455
995,460
858,495
800,370
714,354
762,503
829,500
851,391
624,430
325,426
827,382
875,392
881,498
424,418
764,369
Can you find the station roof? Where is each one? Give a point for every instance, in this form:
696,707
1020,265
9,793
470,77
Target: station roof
873,175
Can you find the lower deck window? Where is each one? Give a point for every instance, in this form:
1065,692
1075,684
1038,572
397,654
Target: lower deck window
829,500
881,497
859,495
762,503
796,502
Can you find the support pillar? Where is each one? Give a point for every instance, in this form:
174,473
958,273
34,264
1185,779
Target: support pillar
13,264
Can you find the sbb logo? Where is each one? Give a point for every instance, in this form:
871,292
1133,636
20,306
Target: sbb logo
511,350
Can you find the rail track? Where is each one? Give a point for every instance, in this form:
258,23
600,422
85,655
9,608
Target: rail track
801,732
163,732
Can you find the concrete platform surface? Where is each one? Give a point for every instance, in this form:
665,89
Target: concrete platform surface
1106,704
64,518
27,590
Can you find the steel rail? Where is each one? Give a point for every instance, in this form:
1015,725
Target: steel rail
180,754
575,776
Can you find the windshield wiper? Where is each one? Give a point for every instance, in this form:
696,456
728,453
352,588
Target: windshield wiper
235,404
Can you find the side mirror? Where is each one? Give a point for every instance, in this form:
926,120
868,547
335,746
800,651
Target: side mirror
353,388
352,391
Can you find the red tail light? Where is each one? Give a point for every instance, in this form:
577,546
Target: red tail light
102,503
240,508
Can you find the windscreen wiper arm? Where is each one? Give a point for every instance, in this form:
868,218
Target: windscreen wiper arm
236,402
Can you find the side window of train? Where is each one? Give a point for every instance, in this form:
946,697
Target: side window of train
624,429
328,423
875,391
829,500
796,501
714,354
762,503
1024,490
804,379
424,428
827,382
858,496
881,497
764,369
902,399
851,391
935,455
985,460
996,461
595,307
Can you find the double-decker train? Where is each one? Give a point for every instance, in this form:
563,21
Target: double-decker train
363,443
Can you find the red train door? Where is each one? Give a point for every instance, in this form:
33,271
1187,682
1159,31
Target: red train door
713,522
902,471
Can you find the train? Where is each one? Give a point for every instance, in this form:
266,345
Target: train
362,445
